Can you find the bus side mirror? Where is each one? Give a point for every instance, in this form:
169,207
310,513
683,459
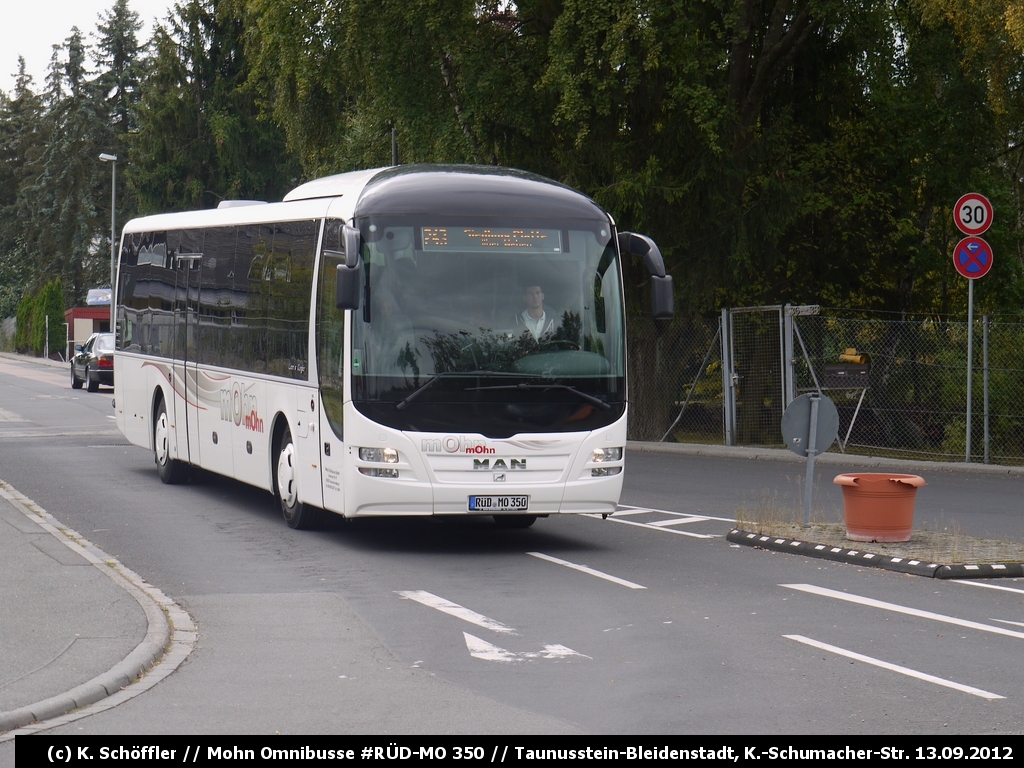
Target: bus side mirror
348,288
662,303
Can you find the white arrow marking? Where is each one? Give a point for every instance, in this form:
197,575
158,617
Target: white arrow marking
894,667
903,609
481,649
456,610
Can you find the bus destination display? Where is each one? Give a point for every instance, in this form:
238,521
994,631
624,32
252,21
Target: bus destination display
459,239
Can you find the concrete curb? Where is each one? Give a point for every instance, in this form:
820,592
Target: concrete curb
32,359
170,631
874,560
832,459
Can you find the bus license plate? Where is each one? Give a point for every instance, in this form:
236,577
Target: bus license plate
499,503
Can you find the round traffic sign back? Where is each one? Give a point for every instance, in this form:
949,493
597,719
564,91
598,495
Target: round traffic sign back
972,214
796,424
972,257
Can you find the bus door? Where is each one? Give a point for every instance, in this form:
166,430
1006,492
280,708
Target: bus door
186,310
331,361
216,399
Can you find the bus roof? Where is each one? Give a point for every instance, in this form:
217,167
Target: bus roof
422,189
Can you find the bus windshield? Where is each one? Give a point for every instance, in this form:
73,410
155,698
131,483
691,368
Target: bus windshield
494,325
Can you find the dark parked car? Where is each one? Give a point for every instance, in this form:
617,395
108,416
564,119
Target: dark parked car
93,363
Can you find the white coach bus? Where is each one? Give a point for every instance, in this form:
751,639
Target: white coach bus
414,340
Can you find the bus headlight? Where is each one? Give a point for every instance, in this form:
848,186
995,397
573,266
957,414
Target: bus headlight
374,472
606,454
605,471
381,455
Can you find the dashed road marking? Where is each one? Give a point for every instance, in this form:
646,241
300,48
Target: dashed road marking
895,667
871,602
989,586
634,510
586,569
652,527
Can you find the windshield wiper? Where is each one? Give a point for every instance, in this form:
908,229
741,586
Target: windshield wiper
589,398
448,374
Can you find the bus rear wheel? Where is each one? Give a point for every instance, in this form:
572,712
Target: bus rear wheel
514,521
171,471
298,515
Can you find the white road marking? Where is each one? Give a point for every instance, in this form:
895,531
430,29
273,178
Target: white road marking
667,530
481,649
895,667
10,416
585,569
1007,621
903,609
989,586
456,610
679,521
640,510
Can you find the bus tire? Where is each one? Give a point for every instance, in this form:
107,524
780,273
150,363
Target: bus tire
514,521
286,482
171,471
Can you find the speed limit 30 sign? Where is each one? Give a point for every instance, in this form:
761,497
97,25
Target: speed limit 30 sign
973,214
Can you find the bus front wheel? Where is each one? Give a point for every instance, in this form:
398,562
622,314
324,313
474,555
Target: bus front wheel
298,515
171,470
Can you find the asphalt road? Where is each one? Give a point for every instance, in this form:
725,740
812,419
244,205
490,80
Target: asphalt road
649,622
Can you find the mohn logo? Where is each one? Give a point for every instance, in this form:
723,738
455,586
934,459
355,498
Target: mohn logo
239,406
456,444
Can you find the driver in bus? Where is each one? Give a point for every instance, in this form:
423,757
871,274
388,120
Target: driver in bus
537,318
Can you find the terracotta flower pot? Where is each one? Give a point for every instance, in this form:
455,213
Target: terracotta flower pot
879,506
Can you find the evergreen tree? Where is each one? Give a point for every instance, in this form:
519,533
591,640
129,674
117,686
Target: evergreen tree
200,138
21,141
120,66
59,202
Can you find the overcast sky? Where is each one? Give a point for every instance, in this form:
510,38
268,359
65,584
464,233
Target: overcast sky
31,27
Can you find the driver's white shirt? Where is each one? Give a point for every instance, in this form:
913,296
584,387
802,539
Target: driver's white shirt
537,327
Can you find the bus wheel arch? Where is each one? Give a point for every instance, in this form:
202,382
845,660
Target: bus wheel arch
285,481
171,471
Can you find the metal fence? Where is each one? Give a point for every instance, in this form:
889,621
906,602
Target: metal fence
729,379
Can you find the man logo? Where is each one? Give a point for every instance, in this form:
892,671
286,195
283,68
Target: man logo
499,464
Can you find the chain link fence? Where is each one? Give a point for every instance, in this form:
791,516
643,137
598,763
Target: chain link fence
915,401
675,380
727,381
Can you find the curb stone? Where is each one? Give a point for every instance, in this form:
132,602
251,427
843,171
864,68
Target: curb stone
170,635
840,459
874,560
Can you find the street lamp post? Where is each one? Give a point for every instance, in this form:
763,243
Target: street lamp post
112,159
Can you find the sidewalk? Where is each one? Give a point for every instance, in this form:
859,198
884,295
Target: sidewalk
833,457
75,627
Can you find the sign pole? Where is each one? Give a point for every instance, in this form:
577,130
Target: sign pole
812,435
972,258
970,362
